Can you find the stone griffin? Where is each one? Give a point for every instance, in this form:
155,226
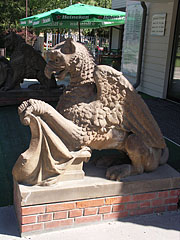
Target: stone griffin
99,110
25,62
6,72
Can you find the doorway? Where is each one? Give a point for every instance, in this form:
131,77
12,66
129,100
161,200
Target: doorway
174,80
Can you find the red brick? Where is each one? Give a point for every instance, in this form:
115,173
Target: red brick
120,199
171,200
90,203
60,215
33,210
58,223
60,206
75,213
145,204
173,193
141,211
160,209
86,219
31,227
115,215
132,206
172,207
105,209
157,202
118,208
145,196
28,219
90,211
163,194
45,217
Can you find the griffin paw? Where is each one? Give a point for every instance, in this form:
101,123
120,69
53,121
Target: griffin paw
34,106
118,172
84,153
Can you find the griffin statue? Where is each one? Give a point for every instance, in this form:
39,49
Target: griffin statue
6,72
99,110
25,62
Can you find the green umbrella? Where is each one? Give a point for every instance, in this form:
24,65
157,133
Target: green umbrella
75,17
45,17
28,21
84,14
89,23
79,12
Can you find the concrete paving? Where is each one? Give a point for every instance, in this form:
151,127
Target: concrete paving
164,226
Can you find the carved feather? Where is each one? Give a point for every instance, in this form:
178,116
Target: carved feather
126,107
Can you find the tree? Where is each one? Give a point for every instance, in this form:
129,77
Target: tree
13,10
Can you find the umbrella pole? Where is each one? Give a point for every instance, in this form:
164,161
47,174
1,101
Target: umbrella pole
79,32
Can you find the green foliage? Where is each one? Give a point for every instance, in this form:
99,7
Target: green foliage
11,12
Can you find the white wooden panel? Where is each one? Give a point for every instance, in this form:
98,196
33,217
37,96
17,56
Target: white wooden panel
155,60
154,67
152,86
151,92
158,46
155,52
153,80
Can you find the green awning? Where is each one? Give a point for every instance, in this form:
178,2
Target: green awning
75,16
79,12
45,17
27,21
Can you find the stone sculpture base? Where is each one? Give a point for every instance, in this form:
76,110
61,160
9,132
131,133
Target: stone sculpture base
74,172
95,199
13,97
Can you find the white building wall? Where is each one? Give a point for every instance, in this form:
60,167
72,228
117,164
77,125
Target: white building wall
115,39
118,4
155,52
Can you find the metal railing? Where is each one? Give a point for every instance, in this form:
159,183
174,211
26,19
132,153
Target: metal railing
94,44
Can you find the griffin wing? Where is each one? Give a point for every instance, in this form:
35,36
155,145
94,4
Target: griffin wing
126,108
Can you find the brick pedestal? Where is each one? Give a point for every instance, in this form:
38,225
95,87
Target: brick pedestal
95,199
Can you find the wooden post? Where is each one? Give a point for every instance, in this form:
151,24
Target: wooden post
79,31
26,17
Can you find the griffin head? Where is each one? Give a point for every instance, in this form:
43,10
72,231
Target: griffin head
59,58
11,40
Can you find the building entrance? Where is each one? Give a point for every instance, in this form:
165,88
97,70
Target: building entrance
174,81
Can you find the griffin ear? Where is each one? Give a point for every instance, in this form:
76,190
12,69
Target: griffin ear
69,46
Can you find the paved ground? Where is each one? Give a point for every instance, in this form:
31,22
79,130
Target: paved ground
167,115
164,226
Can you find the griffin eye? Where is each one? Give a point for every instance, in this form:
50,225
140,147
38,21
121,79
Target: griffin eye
57,60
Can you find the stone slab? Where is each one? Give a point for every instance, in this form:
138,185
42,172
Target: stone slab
96,185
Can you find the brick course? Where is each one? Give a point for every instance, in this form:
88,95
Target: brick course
60,206
105,209
90,211
60,215
45,217
49,216
33,210
90,203
75,213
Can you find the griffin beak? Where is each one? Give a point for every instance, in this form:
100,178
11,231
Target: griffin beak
48,71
